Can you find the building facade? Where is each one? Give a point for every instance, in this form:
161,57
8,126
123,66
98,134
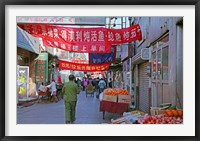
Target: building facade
159,77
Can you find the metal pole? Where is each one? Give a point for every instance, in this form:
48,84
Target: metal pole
130,59
130,75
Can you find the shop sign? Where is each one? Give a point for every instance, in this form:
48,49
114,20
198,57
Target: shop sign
23,76
89,40
42,68
62,20
65,65
145,54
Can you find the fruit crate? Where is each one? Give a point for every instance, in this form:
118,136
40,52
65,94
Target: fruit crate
109,98
156,111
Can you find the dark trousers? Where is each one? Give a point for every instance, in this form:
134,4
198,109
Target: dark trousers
101,90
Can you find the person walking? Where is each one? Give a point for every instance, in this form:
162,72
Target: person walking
85,83
79,82
52,86
110,83
102,85
70,91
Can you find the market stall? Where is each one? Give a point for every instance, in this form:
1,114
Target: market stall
114,100
164,114
113,107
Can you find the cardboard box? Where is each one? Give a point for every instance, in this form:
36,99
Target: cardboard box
156,111
109,98
124,99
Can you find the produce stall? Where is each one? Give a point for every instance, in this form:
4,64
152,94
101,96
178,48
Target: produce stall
165,114
160,119
113,107
115,101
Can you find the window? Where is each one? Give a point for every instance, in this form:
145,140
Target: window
165,63
159,59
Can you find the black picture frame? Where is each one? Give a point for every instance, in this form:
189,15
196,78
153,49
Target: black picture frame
3,5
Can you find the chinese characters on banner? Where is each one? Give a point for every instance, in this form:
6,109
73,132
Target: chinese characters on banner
80,61
96,58
65,65
90,40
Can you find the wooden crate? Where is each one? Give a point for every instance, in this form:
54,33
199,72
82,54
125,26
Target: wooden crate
109,98
124,99
156,111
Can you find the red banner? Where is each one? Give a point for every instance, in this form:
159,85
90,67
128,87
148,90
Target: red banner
65,65
80,61
90,40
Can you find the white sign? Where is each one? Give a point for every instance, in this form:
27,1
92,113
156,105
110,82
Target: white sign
145,54
62,20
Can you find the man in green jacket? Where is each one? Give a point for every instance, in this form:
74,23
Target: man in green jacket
70,91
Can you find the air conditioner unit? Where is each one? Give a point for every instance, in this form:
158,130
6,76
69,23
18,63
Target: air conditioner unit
145,54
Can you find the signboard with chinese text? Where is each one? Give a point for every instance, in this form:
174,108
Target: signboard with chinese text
85,40
62,20
42,68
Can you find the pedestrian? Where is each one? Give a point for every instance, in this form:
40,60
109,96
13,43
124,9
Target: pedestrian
90,80
70,91
42,87
97,82
94,82
85,83
110,83
79,82
52,86
102,85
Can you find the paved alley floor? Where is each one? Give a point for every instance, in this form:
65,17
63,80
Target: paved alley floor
87,112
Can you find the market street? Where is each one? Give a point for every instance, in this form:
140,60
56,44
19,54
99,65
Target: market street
136,63
53,113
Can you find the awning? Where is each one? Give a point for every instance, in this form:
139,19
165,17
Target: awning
117,67
27,42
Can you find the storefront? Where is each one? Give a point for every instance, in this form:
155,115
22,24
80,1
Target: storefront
27,52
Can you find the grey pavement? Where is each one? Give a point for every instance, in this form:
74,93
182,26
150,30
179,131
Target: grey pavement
87,112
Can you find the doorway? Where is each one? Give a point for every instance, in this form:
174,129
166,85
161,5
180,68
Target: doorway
159,72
